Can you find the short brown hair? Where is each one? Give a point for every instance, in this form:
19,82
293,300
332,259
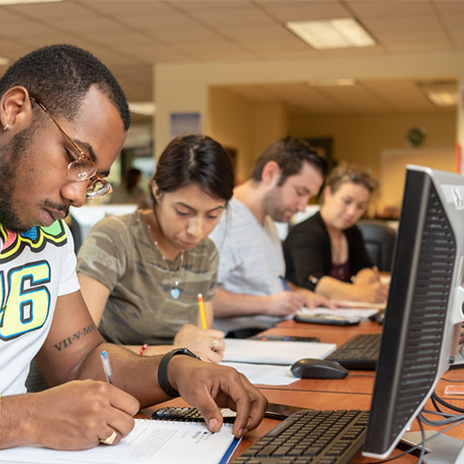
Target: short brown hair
289,153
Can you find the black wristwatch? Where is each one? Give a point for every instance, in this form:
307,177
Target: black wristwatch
163,370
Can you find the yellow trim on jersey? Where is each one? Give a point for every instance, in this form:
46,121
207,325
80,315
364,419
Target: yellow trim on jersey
56,234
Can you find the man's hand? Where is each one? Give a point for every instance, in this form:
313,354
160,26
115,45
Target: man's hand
209,387
283,304
313,300
73,416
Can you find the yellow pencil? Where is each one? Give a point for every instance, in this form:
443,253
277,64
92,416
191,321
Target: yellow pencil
201,307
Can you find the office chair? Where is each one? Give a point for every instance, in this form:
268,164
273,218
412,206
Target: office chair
380,241
76,232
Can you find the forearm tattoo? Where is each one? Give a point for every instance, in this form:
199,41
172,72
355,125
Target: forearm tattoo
75,337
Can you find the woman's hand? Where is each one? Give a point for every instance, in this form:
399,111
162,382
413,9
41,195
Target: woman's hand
375,292
208,344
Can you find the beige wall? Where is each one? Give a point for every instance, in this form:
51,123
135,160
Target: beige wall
246,127
249,127
364,140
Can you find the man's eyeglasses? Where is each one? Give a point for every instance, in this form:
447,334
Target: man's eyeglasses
82,168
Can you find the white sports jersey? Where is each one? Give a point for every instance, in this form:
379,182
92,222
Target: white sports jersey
36,268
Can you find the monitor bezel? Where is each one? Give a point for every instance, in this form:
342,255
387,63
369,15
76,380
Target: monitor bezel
421,186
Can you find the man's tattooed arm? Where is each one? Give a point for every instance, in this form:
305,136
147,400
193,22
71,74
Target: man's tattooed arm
63,344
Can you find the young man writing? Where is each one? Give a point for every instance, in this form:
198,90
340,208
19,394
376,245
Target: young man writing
251,290
64,120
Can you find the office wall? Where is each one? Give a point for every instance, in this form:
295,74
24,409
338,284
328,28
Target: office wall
248,127
363,139
244,126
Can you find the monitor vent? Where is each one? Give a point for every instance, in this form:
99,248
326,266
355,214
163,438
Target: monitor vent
427,310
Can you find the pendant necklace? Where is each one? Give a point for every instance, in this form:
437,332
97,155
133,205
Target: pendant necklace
175,291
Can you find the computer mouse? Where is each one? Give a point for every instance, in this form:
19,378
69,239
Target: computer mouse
309,368
378,317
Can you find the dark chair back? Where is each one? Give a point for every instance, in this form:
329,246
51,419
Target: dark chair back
380,242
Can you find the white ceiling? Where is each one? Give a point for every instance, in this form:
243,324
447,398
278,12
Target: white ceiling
131,35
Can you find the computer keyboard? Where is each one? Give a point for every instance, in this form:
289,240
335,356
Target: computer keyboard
309,436
361,352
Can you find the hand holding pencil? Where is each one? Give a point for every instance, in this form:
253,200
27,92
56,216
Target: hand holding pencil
202,311
204,342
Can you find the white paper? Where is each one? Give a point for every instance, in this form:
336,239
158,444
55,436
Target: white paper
348,304
349,313
160,442
264,374
274,352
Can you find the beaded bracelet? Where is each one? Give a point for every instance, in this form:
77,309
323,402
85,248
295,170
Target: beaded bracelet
144,347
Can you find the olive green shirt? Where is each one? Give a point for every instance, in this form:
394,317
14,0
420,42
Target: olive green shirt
120,254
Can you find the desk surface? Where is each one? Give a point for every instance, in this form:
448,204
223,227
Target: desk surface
353,392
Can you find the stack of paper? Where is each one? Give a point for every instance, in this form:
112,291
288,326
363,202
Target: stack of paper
274,352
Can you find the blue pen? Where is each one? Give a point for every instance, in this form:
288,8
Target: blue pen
107,367
284,283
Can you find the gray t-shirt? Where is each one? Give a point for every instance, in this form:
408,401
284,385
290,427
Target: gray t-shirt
251,261
119,253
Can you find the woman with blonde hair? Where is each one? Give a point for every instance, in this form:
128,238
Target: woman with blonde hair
326,253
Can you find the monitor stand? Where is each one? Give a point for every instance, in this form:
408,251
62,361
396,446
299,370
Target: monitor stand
442,449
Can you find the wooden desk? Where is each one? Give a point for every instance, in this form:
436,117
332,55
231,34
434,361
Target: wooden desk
353,392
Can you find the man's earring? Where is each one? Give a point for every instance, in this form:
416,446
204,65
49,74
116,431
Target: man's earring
6,126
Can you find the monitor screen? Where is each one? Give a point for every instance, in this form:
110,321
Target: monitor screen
424,310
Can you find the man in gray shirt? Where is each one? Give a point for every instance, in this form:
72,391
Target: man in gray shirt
251,290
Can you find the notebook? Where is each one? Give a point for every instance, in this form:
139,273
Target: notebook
274,352
163,442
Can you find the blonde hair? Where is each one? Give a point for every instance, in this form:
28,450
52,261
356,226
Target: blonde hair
345,172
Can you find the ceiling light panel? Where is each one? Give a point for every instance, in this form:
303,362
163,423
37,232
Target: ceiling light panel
332,33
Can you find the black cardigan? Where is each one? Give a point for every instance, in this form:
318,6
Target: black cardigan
308,252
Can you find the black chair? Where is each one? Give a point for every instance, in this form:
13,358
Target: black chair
380,242
76,232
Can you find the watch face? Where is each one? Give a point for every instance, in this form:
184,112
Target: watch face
416,136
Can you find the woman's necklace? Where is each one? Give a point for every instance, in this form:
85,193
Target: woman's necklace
175,291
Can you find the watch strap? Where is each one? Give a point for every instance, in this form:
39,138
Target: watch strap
163,370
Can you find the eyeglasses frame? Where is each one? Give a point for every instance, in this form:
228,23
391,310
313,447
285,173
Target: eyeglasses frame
82,155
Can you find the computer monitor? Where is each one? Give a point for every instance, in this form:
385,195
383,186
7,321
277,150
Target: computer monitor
425,306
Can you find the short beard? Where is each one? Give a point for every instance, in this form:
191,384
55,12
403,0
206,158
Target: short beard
12,155
271,205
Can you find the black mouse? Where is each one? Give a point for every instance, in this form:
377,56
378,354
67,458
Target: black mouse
309,368
378,317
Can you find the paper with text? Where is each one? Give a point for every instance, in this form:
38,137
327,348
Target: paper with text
160,442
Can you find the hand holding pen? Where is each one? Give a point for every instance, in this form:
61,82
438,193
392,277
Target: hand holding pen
107,367
284,283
